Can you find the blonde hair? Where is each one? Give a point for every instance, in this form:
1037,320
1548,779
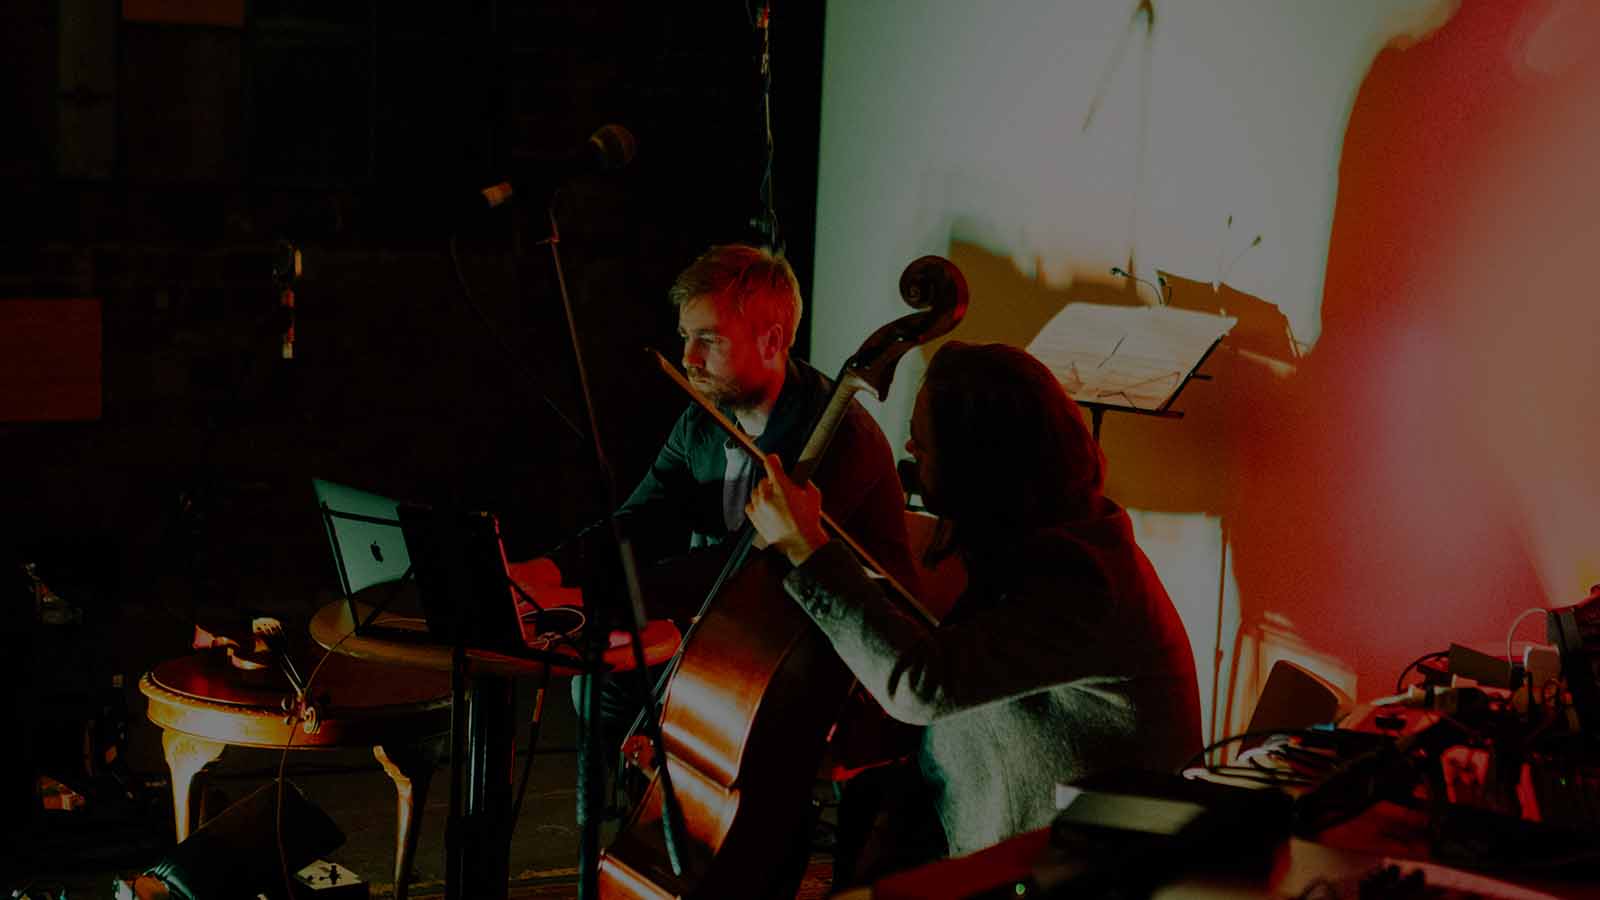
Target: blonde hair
754,283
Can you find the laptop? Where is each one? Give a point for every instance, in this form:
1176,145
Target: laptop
465,587
364,531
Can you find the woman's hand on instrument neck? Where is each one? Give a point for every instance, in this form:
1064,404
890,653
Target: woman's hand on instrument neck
787,515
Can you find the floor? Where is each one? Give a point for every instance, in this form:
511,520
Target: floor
83,851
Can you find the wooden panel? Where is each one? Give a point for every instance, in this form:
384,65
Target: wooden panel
50,360
221,13
179,103
86,108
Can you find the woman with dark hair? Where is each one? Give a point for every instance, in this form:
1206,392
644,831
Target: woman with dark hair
1000,417
1063,658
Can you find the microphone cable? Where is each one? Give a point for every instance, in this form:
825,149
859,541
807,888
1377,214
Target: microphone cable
283,763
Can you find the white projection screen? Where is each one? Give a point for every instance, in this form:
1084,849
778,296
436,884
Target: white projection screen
1328,497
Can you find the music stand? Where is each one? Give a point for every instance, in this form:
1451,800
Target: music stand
1133,359
467,599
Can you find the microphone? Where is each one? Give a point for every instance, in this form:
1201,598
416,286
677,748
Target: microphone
1161,298
610,148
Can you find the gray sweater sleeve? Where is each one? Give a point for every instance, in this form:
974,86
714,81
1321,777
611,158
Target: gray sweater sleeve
1032,642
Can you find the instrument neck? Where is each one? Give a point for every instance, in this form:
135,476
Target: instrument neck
826,426
844,391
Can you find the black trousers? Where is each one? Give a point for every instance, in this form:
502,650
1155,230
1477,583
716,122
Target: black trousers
887,823
618,704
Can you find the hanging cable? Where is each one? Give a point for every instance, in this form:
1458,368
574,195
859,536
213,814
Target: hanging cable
766,220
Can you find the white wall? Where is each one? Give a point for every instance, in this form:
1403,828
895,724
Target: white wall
957,128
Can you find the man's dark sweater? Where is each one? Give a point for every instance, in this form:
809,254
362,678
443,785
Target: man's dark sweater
680,502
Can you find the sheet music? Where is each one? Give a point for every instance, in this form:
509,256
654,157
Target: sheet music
1135,356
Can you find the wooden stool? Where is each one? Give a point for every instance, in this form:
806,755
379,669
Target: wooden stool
203,703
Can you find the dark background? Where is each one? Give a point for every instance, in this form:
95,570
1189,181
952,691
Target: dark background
156,166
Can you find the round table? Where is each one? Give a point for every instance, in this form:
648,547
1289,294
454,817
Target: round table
477,863
203,704
407,643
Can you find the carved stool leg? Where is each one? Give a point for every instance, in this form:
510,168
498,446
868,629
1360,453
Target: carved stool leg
186,756
411,767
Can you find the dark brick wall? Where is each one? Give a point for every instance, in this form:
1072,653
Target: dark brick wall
341,131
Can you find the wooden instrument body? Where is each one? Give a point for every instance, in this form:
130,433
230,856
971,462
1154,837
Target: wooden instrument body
745,718
735,745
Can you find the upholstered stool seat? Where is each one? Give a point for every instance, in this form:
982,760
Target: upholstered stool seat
203,703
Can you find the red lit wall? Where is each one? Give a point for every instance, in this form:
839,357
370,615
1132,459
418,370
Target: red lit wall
1431,468
1424,180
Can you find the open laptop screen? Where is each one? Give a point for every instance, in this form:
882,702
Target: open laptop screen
364,532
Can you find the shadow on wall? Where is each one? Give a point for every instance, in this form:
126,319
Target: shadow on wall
1420,476
1186,465
1189,466
1404,487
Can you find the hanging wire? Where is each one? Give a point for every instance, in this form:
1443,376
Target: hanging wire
766,221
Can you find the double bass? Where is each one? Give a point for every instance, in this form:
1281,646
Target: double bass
746,713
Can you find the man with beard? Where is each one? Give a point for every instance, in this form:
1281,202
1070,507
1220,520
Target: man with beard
739,309
738,312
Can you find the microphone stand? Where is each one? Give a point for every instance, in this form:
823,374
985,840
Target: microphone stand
590,773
